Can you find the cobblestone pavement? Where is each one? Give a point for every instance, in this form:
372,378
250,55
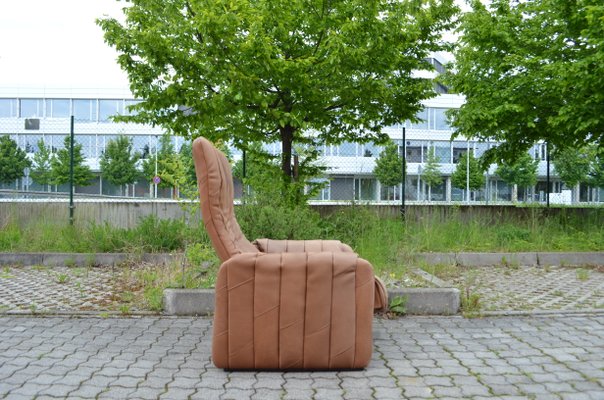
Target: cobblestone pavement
535,288
42,289
554,357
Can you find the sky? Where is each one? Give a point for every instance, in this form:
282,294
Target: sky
56,44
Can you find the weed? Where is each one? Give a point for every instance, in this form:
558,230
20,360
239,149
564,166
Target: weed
33,307
125,309
62,278
154,298
6,270
558,293
398,305
582,274
40,268
127,297
471,304
104,315
90,261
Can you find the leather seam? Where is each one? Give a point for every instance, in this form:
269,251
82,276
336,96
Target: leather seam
279,313
253,306
331,327
304,314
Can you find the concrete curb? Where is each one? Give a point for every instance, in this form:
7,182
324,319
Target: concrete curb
419,301
470,259
531,259
82,259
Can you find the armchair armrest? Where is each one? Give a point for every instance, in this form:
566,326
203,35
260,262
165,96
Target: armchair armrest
293,311
300,246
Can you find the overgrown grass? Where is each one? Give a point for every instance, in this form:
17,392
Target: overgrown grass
387,242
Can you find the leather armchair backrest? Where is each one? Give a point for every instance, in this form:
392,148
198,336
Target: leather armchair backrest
215,183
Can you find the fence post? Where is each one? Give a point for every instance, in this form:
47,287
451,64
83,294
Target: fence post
404,177
71,206
548,177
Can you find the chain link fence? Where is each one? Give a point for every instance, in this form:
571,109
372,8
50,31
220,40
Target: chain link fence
434,164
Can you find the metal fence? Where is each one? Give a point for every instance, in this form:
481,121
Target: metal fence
349,167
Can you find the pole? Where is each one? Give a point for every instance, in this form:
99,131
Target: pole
468,172
155,183
71,206
404,178
548,177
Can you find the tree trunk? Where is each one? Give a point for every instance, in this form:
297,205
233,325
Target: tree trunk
287,138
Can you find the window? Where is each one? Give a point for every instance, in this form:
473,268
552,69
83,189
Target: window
84,109
57,108
8,108
365,189
128,103
458,150
31,108
441,122
110,108
442,151
414,151
423,116
348,149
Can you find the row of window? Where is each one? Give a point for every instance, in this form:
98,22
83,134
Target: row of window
99,110
89,110
417,151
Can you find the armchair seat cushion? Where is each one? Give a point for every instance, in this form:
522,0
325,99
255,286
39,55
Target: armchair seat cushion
300,246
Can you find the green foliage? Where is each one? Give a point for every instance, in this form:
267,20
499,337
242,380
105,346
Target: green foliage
118,162
431,174
522,171
596,173
41,171
161,160
60,166
398,305
572,164
459,176
531,70
388,166
269,71
13,160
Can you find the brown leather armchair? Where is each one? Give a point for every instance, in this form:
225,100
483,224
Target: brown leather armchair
282,304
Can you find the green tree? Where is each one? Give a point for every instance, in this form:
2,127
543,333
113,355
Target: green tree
521,172
271,71
529,71
13,160
431,174
82,175
572,166
167,163
118,162
388,166
596,173
459,176
41,171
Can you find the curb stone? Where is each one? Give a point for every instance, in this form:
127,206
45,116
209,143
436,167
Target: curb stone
419,301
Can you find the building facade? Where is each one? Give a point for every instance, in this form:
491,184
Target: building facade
30,115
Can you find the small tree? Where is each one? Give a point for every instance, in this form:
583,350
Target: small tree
388,166
459,177
60,166
521,172
572,166
41,171
431,174
160,161
596,173
118,162
13,160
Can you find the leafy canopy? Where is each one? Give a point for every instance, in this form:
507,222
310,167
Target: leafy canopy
13,160
531,70
521,172
431,174
118,162
389,166
82,175
459,176
273,70
41,171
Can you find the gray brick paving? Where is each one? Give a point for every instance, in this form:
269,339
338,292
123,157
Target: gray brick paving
538,357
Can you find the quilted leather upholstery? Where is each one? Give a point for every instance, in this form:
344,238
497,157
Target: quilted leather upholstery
282,304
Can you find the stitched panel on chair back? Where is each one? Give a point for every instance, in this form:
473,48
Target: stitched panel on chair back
293,311
215,183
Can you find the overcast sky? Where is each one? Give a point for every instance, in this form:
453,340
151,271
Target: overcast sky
56,43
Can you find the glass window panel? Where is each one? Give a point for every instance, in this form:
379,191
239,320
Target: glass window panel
423,116
57,108
31,108
128,103
31,143
440,119
414,151
459,148
365,189
110,108
8,108
84,109
442,151
348,149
